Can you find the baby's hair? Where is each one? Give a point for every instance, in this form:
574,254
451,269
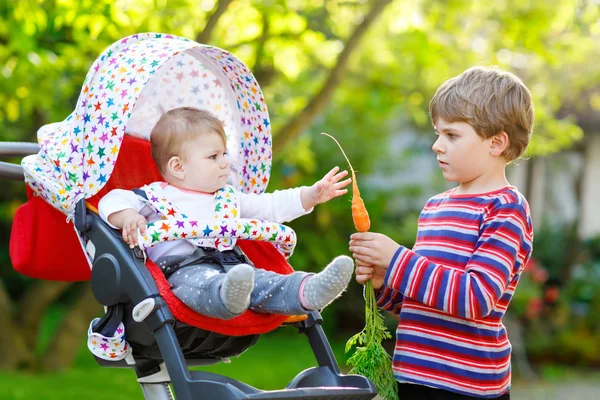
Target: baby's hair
177,127
491,101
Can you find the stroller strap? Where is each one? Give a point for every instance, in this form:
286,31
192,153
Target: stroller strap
202,255
226,207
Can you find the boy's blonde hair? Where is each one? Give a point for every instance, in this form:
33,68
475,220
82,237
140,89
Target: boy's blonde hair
491,101
177,127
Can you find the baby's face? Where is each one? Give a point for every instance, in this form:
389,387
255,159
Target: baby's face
205,165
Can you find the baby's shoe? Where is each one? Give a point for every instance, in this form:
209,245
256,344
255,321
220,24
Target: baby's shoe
321,289
237,287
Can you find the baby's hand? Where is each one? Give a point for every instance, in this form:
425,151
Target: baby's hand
326,189
132,221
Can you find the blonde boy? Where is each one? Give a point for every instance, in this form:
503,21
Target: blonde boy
452,289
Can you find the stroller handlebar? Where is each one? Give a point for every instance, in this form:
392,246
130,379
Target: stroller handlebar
15,149
11,171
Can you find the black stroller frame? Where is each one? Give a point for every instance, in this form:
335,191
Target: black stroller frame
164,348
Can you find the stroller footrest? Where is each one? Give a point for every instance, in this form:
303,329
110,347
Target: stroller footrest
227,388
332,393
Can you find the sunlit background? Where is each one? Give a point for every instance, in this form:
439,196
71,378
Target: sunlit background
363,71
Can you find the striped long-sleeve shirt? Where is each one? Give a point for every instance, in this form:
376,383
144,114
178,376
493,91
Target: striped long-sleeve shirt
452,289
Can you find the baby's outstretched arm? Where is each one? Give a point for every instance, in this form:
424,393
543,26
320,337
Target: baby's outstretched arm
129,220
325,189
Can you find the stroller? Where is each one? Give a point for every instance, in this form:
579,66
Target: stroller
104,145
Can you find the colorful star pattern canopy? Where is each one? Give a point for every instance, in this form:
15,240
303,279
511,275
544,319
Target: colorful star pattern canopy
78,155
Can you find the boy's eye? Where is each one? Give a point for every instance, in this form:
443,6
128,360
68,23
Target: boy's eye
213,157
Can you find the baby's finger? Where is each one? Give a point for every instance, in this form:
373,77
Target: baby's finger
339,176
142,226
132,242
331,173
339,193
342,184
134,237
127,235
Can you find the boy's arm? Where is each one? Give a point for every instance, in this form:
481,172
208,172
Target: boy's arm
389,299
504,245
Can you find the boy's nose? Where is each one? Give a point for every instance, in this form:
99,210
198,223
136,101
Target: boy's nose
437,146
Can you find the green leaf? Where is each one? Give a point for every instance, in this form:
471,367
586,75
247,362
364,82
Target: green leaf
370,358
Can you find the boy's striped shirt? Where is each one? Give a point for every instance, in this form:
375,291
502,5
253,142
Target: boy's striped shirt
452,289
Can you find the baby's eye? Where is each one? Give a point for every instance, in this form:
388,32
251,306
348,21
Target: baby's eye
213,157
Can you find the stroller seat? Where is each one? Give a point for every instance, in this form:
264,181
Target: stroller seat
103,145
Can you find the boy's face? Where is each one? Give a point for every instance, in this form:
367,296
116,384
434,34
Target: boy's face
204,164
462,154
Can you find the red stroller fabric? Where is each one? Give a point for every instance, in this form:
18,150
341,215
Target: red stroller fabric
44,246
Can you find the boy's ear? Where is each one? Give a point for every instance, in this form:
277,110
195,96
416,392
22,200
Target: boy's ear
499,143
175,167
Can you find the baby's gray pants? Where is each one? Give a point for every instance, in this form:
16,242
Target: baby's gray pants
198,286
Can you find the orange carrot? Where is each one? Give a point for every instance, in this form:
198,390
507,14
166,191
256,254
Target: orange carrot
360,216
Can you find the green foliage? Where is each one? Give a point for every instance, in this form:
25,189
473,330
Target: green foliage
87,380
546,249
370,358
560,315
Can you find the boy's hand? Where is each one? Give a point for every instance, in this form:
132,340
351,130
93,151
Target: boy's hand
130,221
373,249
325,189
364,272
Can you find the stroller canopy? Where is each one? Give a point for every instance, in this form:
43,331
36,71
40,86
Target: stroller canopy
125,91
